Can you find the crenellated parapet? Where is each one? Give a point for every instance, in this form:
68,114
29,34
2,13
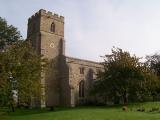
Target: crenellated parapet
45,13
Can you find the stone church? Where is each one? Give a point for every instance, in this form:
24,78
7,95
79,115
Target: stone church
68,80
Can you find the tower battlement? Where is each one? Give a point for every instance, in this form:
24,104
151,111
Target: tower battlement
49,14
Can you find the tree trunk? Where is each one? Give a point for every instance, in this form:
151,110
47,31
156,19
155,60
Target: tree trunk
11,106
13,109
125,97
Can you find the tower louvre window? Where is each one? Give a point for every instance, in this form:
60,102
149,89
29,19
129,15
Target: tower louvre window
82,70
53,27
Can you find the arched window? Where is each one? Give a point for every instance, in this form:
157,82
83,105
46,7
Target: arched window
52,27
81,88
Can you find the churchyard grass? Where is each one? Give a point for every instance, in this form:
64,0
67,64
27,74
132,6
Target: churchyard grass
139,111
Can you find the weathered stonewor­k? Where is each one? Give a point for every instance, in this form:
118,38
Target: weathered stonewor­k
68,80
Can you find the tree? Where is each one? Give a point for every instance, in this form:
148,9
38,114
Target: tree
20,65
153,61
124,77
8,34
20,68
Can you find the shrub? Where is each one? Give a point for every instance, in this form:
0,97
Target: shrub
125,108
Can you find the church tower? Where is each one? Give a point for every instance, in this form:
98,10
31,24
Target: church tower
46,34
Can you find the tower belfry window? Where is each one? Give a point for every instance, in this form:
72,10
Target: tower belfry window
81,70
52,27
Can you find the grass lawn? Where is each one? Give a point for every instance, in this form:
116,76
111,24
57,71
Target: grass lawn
87,113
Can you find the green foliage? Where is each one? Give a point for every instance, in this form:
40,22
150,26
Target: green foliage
20,68
124,78
153,61
26,66
8,34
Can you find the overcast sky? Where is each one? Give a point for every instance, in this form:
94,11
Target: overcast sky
93,27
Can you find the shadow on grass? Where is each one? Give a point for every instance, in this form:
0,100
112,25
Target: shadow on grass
24,112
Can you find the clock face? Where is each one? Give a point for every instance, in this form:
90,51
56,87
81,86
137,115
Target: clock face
51,45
